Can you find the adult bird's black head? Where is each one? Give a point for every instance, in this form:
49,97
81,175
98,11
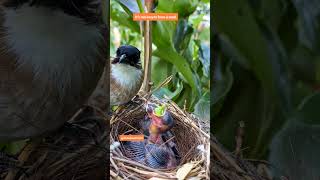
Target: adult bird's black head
128,54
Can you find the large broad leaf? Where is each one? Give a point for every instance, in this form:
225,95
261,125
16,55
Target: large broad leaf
182,35
165,6
202,107
303,65
236,20
162,34
204,56
308,22
249,102
166,51
294,151
221,83
185,7
269,11
170,55
132,5
308,111
124,18
160,70
259,46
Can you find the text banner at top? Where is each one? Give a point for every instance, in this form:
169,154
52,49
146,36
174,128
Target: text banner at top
155,16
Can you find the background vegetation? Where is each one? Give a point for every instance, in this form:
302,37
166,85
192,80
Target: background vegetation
267,75
181,49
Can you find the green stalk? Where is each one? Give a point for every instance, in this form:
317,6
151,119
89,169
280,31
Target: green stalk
140,6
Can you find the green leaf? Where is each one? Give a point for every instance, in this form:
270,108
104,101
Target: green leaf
202,107
237,22
308,22
131,5
222,80
294,151
180,63
272,11
204,55
162,33
124,19
165,92
308,111
261,47
185,7
165,6
249,102
182,35
161,69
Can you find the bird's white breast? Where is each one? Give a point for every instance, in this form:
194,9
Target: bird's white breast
49,40
126,75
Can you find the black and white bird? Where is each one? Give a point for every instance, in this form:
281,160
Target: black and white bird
125,78
52,56
126,75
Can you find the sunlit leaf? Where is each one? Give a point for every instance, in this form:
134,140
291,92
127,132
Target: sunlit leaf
185,7
124,19
180,63
131,5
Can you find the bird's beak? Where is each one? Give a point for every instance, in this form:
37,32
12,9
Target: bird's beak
122,58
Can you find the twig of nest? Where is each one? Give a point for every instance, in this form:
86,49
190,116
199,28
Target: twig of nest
228,166
190,134
76,151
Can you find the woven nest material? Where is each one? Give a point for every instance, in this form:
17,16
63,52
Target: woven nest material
228,166
75,151
190,133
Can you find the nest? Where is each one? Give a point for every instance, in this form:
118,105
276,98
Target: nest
229,166
190,133
75,151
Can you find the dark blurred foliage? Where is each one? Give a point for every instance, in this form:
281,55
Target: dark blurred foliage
266,73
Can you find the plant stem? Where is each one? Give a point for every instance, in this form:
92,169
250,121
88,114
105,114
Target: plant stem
146,86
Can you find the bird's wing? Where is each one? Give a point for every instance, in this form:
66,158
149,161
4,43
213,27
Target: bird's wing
17,100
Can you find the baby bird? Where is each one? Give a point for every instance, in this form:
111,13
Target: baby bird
158,150
158,156
155,125
52,56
